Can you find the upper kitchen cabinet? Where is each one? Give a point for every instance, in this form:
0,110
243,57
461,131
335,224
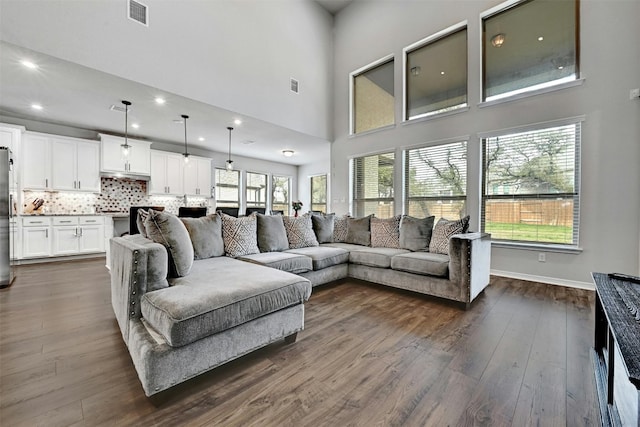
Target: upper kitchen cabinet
50,162
136,162
197,176
75,165
166,173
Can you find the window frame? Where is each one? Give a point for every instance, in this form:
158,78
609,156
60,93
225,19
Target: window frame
326,190
406,171
287,210
249,204
463,25
239,186
573,247
525,92
352,76
352,184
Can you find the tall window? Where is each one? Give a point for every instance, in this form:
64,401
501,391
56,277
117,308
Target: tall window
436,181
256,190
529,45
227,188
436,74
531,185
372,97
281,190
373,185
319,193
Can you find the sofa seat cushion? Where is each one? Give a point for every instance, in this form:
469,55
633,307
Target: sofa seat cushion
375,257
293,263
323,256
220,293
424,263
346,246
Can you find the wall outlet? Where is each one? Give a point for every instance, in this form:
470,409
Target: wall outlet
634,93
542,257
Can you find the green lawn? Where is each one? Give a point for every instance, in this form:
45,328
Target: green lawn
530,232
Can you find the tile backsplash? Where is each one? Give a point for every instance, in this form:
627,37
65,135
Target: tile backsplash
117,195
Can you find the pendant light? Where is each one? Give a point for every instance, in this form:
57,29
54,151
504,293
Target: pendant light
229,161
186,152
126,147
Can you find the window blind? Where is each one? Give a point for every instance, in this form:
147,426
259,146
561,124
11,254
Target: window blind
256,190
281,189
372,182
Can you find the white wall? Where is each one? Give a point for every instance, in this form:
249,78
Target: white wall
610,64
237,55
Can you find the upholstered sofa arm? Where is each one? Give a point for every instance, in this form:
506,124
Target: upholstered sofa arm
138,265
469,264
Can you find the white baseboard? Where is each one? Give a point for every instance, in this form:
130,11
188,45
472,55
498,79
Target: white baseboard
544,279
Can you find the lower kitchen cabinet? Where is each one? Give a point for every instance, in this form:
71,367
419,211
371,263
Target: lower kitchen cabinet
62,235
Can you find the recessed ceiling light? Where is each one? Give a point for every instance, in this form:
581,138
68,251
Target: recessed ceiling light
36,107
560,67
442,73
540,38
200,139
135,125
287,153
28,64
237,121
160,101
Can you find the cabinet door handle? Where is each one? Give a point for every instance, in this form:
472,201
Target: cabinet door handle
64,222
36,222
78,185
46,233
90,220
74,185
80,231
46,183
168,189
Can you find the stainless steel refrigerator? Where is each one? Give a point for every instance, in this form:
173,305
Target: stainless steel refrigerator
8,189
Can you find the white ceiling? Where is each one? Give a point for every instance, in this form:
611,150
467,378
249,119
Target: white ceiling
80,97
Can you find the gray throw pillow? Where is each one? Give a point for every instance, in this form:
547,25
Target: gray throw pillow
415,233
168,230
323,227
300,231
141,217
359,231
385,232
272,237
240,235
206,235
443,230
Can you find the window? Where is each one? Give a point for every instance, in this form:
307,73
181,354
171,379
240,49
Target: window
530,185
529,45
372,97
280,198
227,188
319,193
436,74
256,190
436,181
373,185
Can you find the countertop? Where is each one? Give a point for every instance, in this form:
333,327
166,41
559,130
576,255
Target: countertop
109,214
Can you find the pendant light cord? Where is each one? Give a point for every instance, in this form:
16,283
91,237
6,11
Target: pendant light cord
230,129
186,152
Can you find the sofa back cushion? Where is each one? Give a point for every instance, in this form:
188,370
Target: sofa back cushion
300,231
359,231
443,230
240,235
272,237
206,235
169,231
385,232
415,233
323,227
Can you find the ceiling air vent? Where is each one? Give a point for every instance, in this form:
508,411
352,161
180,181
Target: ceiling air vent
117,108
139,12
294,85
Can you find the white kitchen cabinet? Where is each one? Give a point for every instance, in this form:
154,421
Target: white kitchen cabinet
91,234
197,176
166,173
36,237
137,162
75,165
35,162
65,240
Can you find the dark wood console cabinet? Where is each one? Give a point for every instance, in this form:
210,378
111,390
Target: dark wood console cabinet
616,353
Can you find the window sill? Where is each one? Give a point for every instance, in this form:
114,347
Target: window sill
368,132
436,116
541,247
561,86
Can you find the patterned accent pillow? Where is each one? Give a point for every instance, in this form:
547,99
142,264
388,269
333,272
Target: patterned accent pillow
240,235
340,227
385,233
443,230
300,231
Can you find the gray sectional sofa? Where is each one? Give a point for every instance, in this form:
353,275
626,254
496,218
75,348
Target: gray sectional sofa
192,294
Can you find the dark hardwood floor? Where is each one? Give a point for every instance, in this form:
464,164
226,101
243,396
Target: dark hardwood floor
369,355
